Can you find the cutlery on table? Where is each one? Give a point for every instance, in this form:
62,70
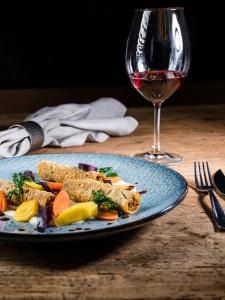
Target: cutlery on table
219,182
204,182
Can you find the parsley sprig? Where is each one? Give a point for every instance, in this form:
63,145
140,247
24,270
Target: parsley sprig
103,201
18,179
108,172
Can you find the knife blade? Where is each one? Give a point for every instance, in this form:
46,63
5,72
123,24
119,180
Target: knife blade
219,182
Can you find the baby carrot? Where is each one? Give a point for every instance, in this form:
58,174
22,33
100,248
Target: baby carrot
109,216
55,185
3,202
61,202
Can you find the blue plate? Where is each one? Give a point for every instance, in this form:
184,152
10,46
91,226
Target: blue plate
164,188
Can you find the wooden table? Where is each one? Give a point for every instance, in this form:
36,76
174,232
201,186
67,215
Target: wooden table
178,256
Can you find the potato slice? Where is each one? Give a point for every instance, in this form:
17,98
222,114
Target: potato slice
34,185
76,213
26,211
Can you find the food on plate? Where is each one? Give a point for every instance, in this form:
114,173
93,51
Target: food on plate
33,185
3,202
106,215
15,197
82,191
67,194
26,210
54,185
53,171
76,213
60,203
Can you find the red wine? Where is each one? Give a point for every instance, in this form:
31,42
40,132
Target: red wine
157,85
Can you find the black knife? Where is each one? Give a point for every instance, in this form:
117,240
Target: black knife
219,182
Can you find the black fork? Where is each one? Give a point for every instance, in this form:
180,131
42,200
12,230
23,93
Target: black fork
203,182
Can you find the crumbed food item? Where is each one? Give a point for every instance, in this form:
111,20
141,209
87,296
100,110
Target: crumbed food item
6,186
28,193
43,197
81,191
52,171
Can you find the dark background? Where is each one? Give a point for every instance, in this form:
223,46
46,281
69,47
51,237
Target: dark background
75,49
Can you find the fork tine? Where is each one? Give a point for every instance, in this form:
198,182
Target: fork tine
209,173
200,173
204,172
196,175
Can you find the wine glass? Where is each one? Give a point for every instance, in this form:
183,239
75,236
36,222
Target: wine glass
157,61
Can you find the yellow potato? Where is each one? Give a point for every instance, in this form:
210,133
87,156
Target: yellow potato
34,185
26,211
76,213
137,196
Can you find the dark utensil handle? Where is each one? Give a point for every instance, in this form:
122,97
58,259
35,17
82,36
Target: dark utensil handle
218,212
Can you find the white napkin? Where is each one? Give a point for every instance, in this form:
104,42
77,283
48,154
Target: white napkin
70,125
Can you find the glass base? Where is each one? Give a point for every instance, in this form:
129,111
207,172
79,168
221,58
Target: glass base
163,158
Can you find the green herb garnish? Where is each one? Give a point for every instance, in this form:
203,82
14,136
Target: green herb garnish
103,201
18,179
108,172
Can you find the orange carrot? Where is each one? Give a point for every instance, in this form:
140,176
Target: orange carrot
61,202
55,185
3,202
109,216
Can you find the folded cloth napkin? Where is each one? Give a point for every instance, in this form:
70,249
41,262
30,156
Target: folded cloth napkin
69,125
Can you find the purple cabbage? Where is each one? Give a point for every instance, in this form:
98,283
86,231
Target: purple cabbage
86,167
29,173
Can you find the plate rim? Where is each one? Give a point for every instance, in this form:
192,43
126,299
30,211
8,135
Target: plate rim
96,233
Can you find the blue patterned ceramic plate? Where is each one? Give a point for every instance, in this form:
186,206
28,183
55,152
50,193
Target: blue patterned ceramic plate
164,188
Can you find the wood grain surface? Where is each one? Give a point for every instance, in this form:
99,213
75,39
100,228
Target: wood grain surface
25,100
178,256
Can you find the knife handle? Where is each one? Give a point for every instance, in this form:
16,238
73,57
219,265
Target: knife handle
218,212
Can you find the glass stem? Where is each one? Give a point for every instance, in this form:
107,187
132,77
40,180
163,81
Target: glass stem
156,141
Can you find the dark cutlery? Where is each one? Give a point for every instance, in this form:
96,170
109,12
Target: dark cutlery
204,182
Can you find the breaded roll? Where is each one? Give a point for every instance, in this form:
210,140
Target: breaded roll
81,191
52,171
43,197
